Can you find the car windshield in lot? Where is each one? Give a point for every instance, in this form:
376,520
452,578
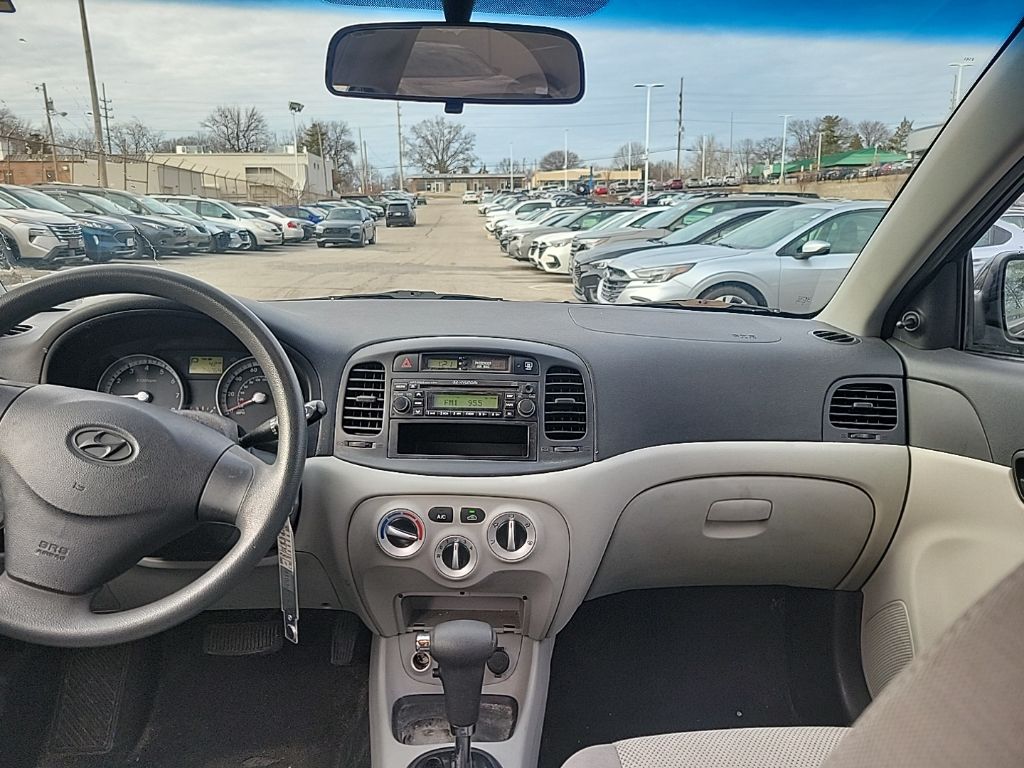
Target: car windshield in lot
827,102
771,228
348,214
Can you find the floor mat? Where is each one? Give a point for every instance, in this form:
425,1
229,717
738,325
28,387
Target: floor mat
659,661
182,707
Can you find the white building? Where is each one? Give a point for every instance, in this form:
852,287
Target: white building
305,172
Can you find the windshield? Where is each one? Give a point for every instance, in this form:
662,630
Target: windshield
104,205
35,199
769,229
222,104
347,214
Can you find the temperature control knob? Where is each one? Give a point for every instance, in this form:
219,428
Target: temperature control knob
455,557
401,404
400,533
511,536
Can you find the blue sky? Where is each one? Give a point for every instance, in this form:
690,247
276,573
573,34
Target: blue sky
169,63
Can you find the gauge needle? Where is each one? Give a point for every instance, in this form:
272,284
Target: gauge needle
258,398
142,397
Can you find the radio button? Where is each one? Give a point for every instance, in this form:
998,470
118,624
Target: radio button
526,407
431,413
401,404
417,411
510,395
400,385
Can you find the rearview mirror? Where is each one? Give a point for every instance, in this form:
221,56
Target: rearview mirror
456,64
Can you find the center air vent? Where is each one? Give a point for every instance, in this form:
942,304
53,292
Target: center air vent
565,404
864,406
363,407
835,337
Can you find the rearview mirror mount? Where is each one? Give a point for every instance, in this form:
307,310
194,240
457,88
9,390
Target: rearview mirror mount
457,64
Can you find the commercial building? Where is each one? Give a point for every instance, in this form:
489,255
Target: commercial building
305,173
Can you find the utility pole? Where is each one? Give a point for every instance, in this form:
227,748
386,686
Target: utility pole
782,165
49,128
511,170
679,134
565,162
328,186
629,162
401,158
819,151
295,107
703,158
106,118
728,169
101,161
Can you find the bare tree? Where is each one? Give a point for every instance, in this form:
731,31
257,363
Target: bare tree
634,151
439,145
234,129
768,150
13,131
873,132
708,158
329,138
554,160
134,138
745,157
804,136
171,143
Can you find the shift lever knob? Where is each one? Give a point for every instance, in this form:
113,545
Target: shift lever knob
461,649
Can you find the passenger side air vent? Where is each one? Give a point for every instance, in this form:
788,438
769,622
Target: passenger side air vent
16,329
363,407
864,406
835,337
565,404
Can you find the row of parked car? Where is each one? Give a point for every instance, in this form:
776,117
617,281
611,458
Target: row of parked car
771,250
52,224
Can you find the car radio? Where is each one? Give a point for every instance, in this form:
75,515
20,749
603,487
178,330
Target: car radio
464,398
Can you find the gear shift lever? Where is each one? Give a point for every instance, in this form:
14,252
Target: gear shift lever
461,649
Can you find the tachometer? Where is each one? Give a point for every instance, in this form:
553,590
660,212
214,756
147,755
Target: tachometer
144,378
244,395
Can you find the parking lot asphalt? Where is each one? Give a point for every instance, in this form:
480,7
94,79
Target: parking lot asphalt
447,251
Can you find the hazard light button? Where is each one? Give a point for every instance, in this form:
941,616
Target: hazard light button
407,362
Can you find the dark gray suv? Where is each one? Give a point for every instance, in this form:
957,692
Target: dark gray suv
346,226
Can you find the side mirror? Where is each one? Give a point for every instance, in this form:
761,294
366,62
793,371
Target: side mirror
999,301
456,64
226,215
813,248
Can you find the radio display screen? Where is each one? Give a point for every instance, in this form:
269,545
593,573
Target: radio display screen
443,363
462,401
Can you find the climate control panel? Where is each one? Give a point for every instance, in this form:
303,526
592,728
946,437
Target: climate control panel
438,557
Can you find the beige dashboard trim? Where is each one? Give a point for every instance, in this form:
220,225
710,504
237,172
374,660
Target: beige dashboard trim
591,498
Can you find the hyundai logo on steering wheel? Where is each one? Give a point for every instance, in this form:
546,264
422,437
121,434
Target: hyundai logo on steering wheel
103,444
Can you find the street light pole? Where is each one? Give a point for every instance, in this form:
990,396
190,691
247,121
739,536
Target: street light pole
967,61
295,107
511,170
101,158
782,165
647,135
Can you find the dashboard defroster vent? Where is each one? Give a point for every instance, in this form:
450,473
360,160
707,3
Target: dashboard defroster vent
14,330
363,407
835,337
865,406
565,404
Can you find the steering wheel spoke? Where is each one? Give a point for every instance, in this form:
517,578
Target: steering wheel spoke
236,476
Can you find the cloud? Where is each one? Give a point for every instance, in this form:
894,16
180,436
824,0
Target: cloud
169,63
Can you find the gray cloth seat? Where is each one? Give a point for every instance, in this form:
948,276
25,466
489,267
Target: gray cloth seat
960,704
733,748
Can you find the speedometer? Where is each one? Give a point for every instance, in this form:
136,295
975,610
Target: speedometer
144,378
244,395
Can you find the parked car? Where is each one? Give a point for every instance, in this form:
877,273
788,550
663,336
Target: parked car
537,242
157,236
227,235
189,236
1002,236
676,184
587,265
469,196
557,257
792,259
105,237
264,233
292,230
400,213
601,189
41,236
309,213
515,212
346,226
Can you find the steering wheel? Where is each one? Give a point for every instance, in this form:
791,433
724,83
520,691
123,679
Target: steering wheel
91,482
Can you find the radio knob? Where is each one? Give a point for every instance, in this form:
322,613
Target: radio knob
401,404
526,407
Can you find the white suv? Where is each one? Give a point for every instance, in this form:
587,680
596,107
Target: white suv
264,232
